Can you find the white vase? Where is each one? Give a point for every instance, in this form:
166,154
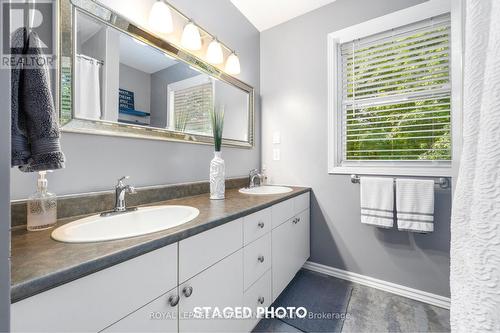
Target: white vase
217,177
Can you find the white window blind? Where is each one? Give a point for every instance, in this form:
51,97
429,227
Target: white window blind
395,93
191,108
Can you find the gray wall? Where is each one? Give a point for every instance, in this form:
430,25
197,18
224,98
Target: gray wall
4,200
139,83
159,84
294,102
94,162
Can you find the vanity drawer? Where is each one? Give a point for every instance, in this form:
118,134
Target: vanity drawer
96,301
258,295
201,251
282,212
256,225
301,202
256,259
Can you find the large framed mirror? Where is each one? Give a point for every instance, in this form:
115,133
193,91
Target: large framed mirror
117,78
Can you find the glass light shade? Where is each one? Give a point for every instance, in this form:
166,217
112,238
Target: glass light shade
233,64
160,18
191,39
214,53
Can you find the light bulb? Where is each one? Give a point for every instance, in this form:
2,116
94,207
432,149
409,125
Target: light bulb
160,18
191,39
233,64
214,53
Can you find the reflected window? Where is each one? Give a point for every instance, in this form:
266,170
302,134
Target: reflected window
190,103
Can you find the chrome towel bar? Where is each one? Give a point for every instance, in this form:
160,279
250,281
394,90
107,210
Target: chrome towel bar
443,182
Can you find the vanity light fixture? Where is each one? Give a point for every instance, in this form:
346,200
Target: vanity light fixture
233,64
191,39
160,18
214,52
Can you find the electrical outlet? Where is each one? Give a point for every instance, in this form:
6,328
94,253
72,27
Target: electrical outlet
276,138
276,154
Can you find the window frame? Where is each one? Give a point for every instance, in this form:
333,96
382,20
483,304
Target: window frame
400,18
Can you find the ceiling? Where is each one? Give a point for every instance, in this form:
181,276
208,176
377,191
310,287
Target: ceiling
265,14
142,57
86,28
132,53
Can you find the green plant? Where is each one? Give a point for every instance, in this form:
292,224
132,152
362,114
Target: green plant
217,120
181,121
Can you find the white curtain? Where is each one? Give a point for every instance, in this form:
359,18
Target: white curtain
87,89
475,228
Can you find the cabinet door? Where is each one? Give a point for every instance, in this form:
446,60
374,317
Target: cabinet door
302,241
93,302
284,262
290,250
159,315
219,286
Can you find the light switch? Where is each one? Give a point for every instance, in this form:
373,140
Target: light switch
276,137
276,154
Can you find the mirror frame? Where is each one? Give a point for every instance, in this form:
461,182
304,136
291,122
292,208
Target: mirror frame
67,45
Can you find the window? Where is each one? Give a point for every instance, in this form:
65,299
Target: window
190,103
392,98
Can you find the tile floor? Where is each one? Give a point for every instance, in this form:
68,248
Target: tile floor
365,309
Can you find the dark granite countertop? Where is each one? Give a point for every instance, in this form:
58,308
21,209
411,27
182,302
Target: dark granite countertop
39,263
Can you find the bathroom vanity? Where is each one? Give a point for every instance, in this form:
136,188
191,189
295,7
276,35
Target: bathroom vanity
240,252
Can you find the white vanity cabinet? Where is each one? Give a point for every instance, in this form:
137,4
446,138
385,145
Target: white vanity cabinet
247,262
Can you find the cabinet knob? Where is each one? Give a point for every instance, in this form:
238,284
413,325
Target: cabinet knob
260,258
294,221
173,300
298,219
187,291
261,224
261,300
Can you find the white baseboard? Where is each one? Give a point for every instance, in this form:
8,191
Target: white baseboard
419,295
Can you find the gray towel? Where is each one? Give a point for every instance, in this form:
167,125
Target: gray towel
35,130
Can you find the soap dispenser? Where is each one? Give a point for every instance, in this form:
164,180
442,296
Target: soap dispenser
42,206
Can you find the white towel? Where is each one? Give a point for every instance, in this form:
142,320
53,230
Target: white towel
415,205
377,201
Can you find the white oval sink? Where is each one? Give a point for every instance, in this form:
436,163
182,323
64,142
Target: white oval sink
143,221
264,190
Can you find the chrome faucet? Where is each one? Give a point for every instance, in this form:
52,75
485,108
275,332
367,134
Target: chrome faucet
252,176
120,206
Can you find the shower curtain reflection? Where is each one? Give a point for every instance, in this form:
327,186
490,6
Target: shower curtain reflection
87,88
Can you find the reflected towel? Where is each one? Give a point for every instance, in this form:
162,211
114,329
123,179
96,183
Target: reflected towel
377,201
87,89
415,205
